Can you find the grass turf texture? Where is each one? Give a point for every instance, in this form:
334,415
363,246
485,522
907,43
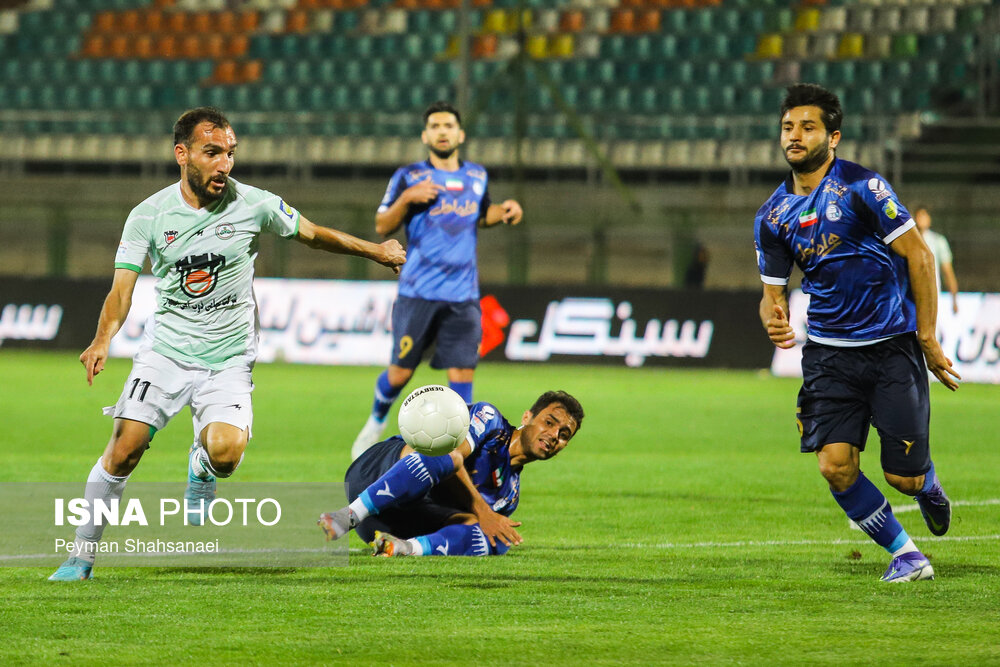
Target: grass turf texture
680,526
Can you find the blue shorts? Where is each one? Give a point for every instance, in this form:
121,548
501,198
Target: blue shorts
421,516
455,327
844,389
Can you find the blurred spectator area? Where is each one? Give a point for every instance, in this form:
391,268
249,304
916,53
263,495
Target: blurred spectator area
659,84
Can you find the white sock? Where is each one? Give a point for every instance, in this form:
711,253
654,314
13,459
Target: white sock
359,509
905,549
200,466
417,549
100,485
85,550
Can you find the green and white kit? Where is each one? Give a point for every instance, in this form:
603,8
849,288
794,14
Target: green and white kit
201,341
204,259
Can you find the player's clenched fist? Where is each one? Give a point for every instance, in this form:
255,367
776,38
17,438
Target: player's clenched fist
512,212
394,254
423,192
779,330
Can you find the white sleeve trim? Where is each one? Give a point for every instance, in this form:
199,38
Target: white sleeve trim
899,231
770,280
472,443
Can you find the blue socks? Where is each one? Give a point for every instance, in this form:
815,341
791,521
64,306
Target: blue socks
930,479
463,389
867,507
385,396
459,540
410,477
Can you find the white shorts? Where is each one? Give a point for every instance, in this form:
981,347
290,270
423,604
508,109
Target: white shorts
159,387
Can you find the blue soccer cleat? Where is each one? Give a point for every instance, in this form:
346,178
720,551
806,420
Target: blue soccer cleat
74,569
198,489
936,508
912,566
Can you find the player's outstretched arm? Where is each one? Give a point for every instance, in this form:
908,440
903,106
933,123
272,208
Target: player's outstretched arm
113,314
388,253
920,265
509,213
424,192
774,316
494,526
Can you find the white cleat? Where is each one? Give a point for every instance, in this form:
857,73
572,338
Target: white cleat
370,434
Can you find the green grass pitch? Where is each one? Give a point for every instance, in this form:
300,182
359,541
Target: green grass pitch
680,526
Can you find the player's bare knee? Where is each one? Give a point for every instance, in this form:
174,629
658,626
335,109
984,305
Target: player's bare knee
908,485
839,474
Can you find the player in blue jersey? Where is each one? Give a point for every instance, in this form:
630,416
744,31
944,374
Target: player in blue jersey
871,324
440,202
458,504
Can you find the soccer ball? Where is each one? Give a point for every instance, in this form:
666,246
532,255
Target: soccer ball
433,420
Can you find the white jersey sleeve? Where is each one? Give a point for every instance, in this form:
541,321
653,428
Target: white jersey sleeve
279,217
134,246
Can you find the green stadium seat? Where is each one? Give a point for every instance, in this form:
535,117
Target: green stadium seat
665,47
48,97
708,72
276,71
843,72
681,73
673,100
753,21
729,21
904,46
646,100
780,20
613,47
603,72
242,98
639,47
302,72
108,72
741,45
753,100
916,99
701,20
261,47
323,71
675,21
870,73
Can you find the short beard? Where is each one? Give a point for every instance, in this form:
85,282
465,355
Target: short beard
199,188
443,155
812,161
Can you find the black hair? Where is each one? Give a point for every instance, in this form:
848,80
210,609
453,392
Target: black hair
442,107
184,127
812,95
572,405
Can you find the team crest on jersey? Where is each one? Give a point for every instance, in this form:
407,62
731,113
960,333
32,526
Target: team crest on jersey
200,273
170,236
477,187
225,231
482,416
833,212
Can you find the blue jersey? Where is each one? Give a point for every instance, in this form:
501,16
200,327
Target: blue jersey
839,236
441,236
489,464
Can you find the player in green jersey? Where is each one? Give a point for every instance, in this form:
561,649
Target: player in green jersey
201,236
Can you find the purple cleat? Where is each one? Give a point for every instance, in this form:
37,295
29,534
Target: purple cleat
912,566
936,508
